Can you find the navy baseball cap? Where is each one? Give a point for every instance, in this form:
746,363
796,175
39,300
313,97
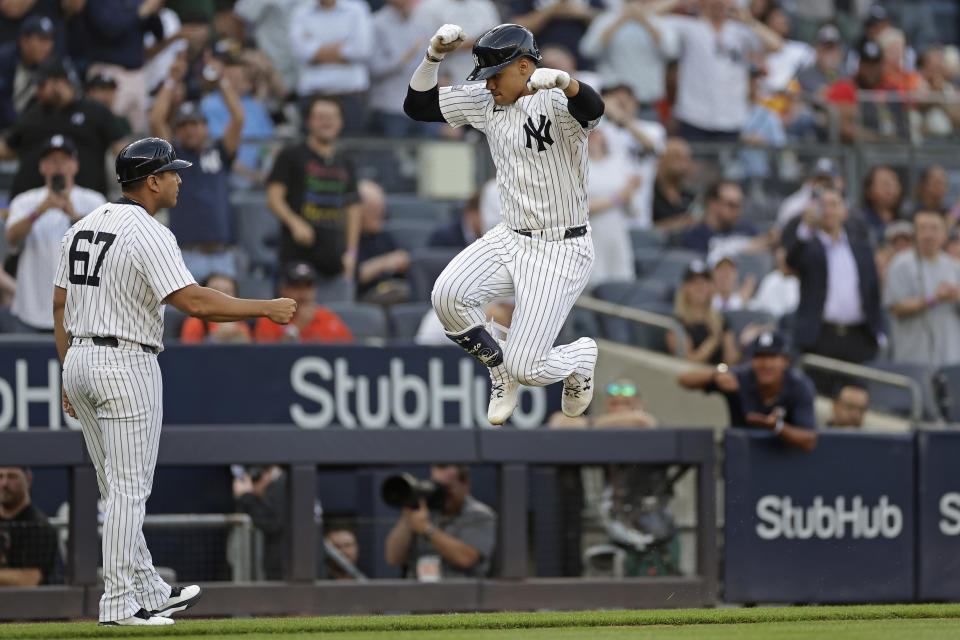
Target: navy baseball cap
828,34
870,52
188,112
52,68
59,142
298,273
825,168
37,26
769,343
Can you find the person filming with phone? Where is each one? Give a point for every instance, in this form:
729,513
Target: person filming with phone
839,311
37,221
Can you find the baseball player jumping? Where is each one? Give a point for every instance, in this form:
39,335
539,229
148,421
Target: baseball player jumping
536,122
118,267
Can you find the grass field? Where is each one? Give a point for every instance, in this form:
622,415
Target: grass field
880,622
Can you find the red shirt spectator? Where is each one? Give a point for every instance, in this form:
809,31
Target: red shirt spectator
195,330
311,322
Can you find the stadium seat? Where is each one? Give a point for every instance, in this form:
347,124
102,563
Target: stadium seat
425,265
632,292
579,323
8,323
757,264
896,400
947,381
740,319
666,265
173,320
647,238
416,208
335,289
364,320
253,286
409,234
394,168
405,319
258,231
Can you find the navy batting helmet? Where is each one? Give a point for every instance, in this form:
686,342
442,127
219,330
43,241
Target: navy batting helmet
500,46
146,157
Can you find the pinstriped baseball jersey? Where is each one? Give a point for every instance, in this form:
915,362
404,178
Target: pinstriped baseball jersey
538,148
118,264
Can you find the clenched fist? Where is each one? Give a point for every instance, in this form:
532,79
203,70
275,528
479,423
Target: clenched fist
548,79
446,39
281,310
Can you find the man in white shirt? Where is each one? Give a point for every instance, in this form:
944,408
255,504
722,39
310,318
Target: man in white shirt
713,68
38,219
331,41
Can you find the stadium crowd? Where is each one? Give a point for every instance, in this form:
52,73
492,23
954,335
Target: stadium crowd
733,239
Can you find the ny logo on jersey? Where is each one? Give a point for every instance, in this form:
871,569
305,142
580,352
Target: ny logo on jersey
541,133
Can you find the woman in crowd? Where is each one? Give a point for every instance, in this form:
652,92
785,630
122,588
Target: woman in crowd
709,338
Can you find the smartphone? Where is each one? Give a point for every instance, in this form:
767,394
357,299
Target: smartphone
58,182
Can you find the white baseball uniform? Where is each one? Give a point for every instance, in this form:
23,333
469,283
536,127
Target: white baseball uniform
117,265
540,153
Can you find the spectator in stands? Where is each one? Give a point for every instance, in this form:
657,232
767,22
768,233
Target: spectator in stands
731,294
709,337
867,120
311,322
824,174
164,50
783,65
381,266
19,62
922,292
248,168
260,493
102,88
202,219
562,22
631,47
37,221
893,46
713,68
458,542
8,289
458,233
28,544
765,393
313,191
827,67
623,407
332,41
939,99
898,237
849,407
882,199
91,126
196,30
931,192
721,228
269,21
953,244
196,331
113,31
672,196
612,183
779,290
839,311
14,14
344,541
474,16
400,37
638,143
762,129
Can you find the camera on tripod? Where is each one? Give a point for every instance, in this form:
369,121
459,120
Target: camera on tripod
406,490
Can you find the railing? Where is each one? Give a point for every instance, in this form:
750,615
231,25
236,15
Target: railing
517,454
640,316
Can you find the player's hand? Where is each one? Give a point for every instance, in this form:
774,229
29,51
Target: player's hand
303,234
67,407
446,39
281,310
548,79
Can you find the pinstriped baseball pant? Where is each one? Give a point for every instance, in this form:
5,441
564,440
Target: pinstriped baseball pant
117,393
545,277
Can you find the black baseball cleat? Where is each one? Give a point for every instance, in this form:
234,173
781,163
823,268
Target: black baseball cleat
140,619
180,598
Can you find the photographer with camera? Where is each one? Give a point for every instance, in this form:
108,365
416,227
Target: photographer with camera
443,532
38,219
260,493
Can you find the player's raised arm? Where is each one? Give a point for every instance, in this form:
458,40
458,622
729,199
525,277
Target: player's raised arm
583,103
423,95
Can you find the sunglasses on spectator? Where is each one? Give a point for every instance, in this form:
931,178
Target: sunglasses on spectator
625,390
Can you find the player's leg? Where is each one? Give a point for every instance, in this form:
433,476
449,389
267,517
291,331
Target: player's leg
76,385
549,277
128,417
477,275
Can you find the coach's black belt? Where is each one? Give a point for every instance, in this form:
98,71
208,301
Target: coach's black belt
110,341
569,232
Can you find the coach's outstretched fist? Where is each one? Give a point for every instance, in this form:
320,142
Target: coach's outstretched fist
446,39
548,79
281,310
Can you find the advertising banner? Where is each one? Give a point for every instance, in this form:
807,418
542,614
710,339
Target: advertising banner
938,506
832,525
311,386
